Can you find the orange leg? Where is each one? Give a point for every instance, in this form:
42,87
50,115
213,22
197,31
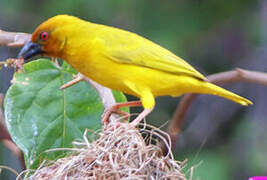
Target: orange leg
19,64
54,60
115,108
140,117
77,79
124,114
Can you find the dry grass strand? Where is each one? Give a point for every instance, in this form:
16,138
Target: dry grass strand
119,152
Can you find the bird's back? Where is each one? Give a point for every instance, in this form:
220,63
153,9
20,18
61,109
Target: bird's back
126,47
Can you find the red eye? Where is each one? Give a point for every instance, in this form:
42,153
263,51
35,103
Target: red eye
44,36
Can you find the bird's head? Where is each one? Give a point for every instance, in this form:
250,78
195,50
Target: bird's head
49,38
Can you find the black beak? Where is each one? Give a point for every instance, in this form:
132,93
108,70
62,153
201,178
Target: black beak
29,50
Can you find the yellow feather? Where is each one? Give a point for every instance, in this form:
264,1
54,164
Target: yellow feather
125,61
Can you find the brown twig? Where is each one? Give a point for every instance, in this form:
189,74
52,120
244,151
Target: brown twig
8,63
239,75
13,39
234,76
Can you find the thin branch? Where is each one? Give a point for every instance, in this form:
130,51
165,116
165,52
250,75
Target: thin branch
239,75
16,151
234,76
13,39
8,63
179,116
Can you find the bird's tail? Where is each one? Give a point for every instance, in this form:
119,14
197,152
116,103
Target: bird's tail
218,91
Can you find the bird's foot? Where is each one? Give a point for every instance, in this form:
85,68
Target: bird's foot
106,115
113,109
140,117
18,64
77,78
55,62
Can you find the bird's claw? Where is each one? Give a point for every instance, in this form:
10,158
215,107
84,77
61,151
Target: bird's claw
55,62
77,78
18,64
109,111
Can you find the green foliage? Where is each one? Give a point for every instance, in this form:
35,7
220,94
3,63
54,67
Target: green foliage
40,116
212,35
210,165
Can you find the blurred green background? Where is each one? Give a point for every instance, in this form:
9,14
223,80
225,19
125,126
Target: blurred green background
221,139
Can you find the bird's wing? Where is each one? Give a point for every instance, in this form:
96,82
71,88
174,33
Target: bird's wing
132,49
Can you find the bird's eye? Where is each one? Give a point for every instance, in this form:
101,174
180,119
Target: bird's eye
44,36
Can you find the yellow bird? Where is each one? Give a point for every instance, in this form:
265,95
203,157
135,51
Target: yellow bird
120,60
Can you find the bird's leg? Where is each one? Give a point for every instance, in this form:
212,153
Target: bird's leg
122,113
77,78
19,64
54,60
115,109
140,117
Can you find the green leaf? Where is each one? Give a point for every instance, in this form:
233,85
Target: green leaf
40,116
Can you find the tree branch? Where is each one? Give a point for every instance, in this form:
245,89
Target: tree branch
234,76
238,75
13,39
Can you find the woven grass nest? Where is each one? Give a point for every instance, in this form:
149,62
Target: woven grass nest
123,153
